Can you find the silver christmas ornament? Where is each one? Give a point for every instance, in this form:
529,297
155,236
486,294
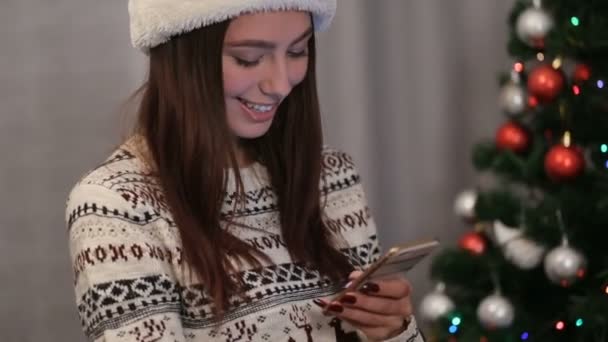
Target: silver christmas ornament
533,25
564,265
513,98
495,311
436,304
464,205
522,252
502,234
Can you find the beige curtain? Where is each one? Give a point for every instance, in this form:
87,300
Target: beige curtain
406,87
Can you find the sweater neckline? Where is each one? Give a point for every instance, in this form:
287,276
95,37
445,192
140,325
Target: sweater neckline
253,175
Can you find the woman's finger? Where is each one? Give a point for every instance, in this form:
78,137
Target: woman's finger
364,318
354,274
380,305
390,288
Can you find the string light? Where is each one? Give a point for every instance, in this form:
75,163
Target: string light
456,321
567,139
557,63
524,336
576,90
604,148
600,84
453,329
606,288
574,21
540,56
519,67
579,322
560,325
607,168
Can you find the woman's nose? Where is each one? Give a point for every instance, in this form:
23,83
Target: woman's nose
276,83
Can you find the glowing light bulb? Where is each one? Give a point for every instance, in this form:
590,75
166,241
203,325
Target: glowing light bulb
456,321
524,336
574,21
540,56
560,325
567,139
453,329
579,322
557,63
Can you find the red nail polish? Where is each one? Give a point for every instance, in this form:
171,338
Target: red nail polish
370,288
348,299
319,302
335,308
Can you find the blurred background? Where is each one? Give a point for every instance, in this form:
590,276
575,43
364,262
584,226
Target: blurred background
406,87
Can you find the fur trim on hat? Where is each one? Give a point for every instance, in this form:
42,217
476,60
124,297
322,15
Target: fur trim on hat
154,22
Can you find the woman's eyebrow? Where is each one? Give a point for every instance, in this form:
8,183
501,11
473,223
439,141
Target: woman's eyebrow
266,44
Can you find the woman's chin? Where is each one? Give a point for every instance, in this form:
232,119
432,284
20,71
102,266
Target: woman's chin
253,132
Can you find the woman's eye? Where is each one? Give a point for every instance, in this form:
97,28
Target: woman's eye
300,53
246,63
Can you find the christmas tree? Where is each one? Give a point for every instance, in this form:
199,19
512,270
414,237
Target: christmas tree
533,265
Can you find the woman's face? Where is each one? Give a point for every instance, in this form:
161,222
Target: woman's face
264,56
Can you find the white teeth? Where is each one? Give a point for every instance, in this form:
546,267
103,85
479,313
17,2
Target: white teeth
258,108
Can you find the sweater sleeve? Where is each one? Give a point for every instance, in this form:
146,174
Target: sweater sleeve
124,282
356,206
411,334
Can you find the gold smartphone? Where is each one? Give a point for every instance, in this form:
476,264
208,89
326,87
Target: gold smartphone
398,259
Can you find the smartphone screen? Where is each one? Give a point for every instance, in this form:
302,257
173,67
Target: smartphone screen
398,259
404,259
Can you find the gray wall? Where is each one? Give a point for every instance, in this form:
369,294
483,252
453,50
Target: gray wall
406,87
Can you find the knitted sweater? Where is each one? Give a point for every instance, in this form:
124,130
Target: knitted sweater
127,260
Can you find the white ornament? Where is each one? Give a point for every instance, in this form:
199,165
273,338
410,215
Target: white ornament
513,98
495,311
522,252
564,264
502,234
464,205
533,25
436,304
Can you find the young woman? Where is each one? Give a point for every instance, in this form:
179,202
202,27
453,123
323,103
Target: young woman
223,217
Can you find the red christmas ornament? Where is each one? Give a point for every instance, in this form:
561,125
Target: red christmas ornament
564,163
545,83
473,242
512,136
582,73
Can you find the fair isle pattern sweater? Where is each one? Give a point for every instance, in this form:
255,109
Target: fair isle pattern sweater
127,260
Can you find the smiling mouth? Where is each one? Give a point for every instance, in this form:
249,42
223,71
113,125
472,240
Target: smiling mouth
258,107
258,112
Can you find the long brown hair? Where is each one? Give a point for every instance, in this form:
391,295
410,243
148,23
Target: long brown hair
182,120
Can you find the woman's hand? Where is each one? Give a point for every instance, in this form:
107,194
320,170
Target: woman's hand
381,309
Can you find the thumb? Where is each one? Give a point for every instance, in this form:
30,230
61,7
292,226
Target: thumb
354,274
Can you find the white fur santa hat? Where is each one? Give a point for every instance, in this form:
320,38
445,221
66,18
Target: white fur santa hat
154,22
